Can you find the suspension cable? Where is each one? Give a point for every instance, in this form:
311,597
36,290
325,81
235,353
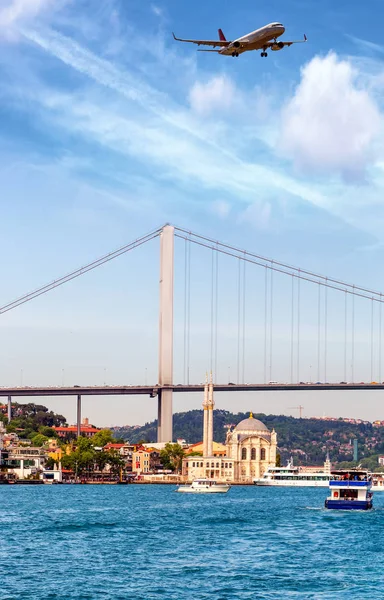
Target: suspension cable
78,272
372,341
299,273
216,310
345,334
238,319
379,343
353,341
244,306
271,326
185,308
318,332
298,330
292,323
325,332
279,266
265,322
212,306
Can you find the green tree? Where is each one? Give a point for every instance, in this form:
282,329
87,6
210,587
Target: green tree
102,438
39,439
278,460
171,456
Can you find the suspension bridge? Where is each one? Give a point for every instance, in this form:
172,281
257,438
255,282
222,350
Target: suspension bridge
287,302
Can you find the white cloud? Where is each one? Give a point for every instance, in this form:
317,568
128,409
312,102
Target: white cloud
17,10
217,93
331,123
220,208
258,214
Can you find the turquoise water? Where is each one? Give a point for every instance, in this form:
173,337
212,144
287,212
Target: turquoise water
149,543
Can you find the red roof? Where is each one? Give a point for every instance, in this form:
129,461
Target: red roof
73,428
116,446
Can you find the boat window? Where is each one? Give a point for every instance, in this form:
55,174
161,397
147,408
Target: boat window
244,454
262,454
253,454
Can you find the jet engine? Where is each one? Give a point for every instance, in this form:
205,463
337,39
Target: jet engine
277,46
235,45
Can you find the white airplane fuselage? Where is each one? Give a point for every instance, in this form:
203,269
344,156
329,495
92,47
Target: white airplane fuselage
255,40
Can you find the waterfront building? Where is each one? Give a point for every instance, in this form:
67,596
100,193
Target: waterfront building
141,462
24,462
250,449
70,431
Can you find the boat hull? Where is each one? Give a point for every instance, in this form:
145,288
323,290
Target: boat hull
349,504
285,483
189,490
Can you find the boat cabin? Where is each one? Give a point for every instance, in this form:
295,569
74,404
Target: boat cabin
350,489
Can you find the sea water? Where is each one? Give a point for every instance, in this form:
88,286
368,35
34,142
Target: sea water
147,542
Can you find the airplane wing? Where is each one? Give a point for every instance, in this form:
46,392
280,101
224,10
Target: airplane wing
214,43
283,44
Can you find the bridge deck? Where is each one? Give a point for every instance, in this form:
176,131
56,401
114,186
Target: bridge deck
150,390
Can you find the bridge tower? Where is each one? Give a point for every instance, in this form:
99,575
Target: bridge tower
164,415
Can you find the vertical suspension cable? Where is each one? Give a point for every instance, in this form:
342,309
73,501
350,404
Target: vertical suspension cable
292,323
271,325
298,328
189,314
353,340
185,309
372,339
212,305
325,330
238,320
318,331
345,333
265,322
380,340
244,290
216,310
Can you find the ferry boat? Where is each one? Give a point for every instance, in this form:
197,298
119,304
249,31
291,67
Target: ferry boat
350,490
204,486
293,476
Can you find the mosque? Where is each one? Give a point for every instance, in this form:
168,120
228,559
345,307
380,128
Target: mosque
250,449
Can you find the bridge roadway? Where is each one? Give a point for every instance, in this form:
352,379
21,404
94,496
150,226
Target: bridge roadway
153,390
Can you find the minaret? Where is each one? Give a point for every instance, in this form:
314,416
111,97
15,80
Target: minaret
205,422
327,464
211,404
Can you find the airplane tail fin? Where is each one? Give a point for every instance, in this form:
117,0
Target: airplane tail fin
222,36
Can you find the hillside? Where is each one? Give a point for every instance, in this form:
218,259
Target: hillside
306,439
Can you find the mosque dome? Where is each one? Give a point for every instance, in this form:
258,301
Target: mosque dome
251,424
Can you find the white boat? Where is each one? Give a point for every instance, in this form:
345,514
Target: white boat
293,476
204,486
350,490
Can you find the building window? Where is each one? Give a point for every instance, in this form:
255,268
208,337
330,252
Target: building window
243,454
253,454
212,465
226,465
207,464
262,454
230,465
217,465
193,464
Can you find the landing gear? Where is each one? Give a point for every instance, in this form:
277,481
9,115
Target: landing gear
235,54
264,54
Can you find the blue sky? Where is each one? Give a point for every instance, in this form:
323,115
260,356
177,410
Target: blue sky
109,128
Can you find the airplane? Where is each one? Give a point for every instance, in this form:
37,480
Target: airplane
260,39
